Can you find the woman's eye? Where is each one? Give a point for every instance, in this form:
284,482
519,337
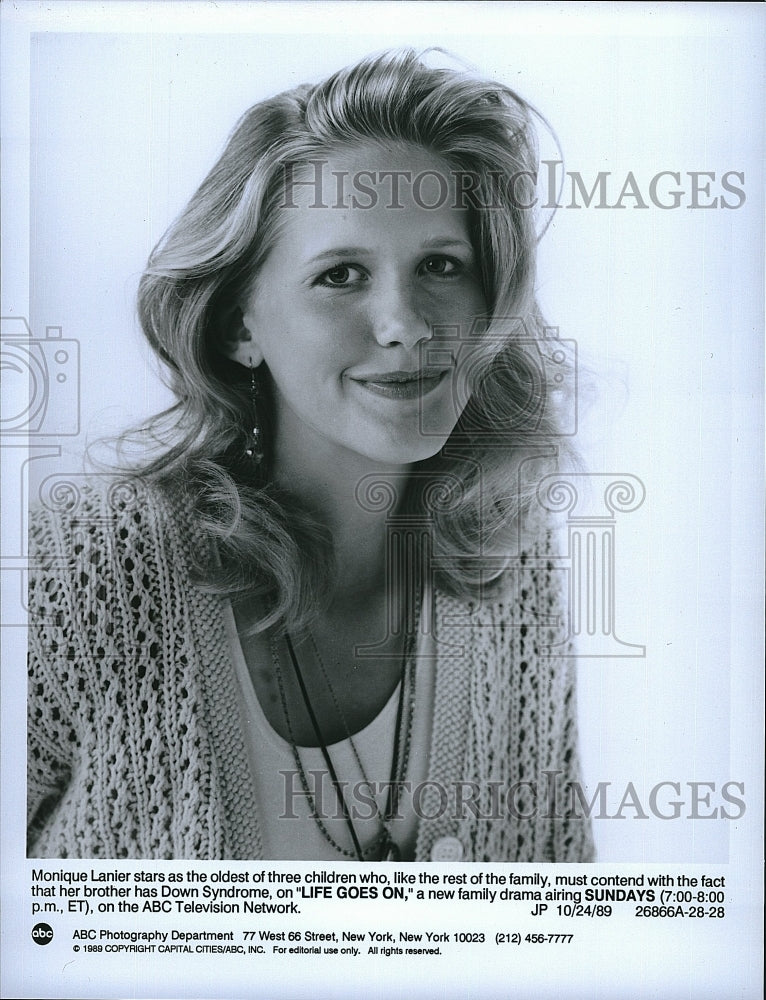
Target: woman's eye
340,276
440,265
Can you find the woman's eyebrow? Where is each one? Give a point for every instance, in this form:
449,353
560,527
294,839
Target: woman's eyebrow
446,242
432,243
332,253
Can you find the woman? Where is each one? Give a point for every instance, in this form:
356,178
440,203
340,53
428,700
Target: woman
311,624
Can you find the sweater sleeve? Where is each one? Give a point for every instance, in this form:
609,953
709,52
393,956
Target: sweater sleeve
95,627
51,736
121,759
569,837
521,747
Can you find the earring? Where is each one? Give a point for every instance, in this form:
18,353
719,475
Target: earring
254,450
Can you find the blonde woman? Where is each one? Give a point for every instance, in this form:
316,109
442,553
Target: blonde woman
313,622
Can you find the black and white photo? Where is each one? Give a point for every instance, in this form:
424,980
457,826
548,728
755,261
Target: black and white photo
381,446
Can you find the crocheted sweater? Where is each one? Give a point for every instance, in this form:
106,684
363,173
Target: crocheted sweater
135,748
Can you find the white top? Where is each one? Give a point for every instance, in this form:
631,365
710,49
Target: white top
287,827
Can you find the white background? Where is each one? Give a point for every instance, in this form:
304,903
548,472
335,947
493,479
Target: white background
129,107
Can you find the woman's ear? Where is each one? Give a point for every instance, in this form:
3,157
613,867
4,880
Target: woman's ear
237,341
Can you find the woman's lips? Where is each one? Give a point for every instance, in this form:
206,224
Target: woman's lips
402,384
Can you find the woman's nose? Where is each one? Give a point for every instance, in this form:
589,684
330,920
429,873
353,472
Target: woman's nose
397,318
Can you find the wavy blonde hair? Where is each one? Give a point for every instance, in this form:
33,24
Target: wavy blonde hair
476,488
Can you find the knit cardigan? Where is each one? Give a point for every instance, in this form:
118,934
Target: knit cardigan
135,748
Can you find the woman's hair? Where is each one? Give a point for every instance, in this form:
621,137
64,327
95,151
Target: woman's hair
475,490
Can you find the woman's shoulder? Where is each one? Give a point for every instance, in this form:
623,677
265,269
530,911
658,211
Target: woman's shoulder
102,527
99,507
528,594
108,557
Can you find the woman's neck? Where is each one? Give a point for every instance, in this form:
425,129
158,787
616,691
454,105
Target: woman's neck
343,490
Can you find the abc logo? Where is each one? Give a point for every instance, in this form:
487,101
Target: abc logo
42,934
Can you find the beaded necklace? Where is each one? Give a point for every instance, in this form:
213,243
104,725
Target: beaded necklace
384,847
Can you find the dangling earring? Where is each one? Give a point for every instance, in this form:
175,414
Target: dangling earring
254,450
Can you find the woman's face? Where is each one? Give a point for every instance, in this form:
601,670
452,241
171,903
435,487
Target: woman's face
358,307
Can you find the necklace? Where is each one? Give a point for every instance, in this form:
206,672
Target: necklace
384,846
401,751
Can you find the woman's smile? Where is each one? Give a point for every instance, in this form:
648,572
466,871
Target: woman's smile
404,385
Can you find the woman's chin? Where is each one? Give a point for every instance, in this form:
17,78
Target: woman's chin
399,453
